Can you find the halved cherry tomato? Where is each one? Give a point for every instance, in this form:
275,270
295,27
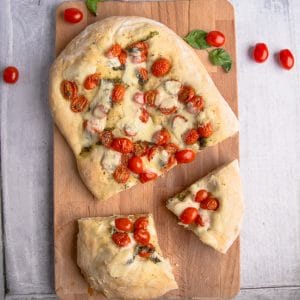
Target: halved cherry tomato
149,97
73,15
142,75
185,156
260,52
171,162
147,176
168,111
121,239
191,136
186,93
189,215
122,57
286,59
144,117
118,93
171,148
106,138
195,105
135,164
141,46
78,103
215,38
123,224
210,203
141,223
161,67
122,145
199,221
201,195
114,51
140,148
69,89
121,174
152,151
10,74
205,130
161,137
142,236
146,251
92,81
125,159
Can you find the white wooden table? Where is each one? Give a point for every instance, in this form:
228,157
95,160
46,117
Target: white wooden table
269,101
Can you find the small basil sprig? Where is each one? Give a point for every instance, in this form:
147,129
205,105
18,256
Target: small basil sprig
220,57
92,5
197,39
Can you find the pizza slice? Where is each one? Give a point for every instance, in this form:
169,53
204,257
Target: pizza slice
212,207
120,257
133,100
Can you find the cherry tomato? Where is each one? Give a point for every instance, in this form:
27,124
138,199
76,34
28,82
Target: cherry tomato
149,97
121,174
10,74
114,51
106,137
73,15
215,38
210,203
92,81
142,236
195,105
161,67
144,117
168,111
261,52
152,151
140,148
135,164
122,57
141,223
199,221
146,251
147,176
191,136
123,224
122,145
121,239
189,215
201,195
185,156
161,137
205,130
118,93
286,59
78,103
186,93
171,148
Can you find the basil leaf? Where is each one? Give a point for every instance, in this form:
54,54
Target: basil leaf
196,39
92,6
219,57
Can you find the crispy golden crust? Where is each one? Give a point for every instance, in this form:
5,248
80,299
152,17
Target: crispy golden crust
87,50
226,220
104,265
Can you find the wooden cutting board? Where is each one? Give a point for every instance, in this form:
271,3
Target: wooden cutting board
199,270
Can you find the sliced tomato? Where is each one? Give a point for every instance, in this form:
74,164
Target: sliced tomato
161,137
135,165
140,148
114,51
147,176
146,251
144,117
195,105
69,89
78,103
141,223
185,156
168,111
171,148
121,239
118,93
189,215
121,174
205,130
122,145
149,97
201,195
186,93
123,224
141,236
199,221
106,137
92,81
191,136
210,203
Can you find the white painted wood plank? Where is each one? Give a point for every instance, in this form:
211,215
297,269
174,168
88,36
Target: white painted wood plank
270,294
270,146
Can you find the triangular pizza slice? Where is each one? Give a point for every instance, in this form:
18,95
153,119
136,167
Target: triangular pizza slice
120,257
133,99
212,207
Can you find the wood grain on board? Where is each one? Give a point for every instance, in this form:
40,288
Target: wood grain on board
199,270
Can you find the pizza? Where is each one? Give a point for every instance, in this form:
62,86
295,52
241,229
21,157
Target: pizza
212,207
133,100
120,257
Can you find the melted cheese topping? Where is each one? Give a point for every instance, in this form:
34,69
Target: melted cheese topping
172,86
111,160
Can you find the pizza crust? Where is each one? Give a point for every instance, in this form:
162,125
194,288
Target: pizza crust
104,265
88,49
225,222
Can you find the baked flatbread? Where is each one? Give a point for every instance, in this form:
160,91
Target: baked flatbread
126,263
129,86
212,207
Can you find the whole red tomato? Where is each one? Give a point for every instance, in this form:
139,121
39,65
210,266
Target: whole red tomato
73,15
215,38
286,59
10,74
261,52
